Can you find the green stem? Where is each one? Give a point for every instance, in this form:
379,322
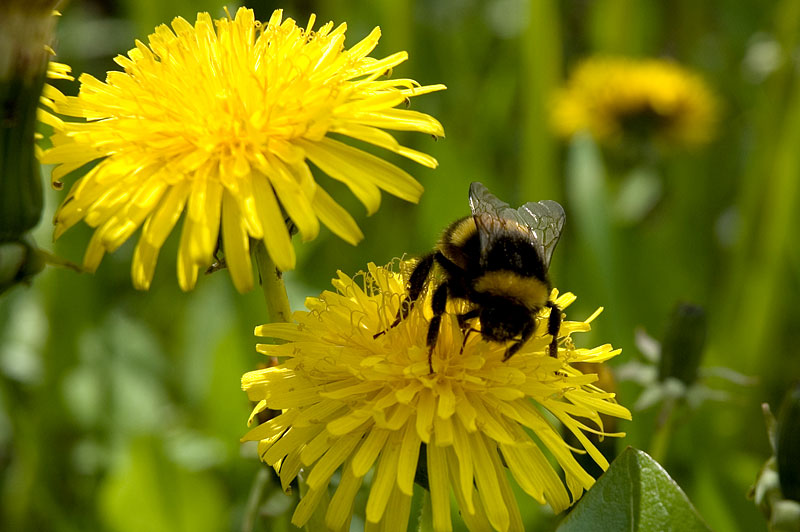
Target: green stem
278,309
664,429
317,519
541,74
254,500
426,513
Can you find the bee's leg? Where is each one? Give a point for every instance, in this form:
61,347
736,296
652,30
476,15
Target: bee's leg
462,323
553,326
417,280
466,336
464,318
438,305
526,334
415,285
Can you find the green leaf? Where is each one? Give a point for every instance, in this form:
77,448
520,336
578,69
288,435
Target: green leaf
635,494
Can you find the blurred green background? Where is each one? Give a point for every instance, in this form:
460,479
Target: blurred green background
121,410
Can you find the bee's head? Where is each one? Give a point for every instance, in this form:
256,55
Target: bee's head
503,319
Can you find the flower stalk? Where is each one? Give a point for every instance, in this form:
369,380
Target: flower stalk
278,311
272,286
681,354
254,499
665,425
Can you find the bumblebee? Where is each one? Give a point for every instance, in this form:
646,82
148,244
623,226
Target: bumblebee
496,260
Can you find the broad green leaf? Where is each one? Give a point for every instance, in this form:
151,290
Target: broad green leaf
635,494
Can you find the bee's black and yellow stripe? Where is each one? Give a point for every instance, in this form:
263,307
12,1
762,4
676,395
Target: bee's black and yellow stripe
492,263
510,267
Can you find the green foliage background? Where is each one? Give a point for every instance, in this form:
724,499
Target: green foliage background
121,410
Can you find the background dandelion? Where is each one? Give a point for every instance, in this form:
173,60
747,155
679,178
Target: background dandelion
622,99
114,401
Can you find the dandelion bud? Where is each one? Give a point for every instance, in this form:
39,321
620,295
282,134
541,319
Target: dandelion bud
682,348
19,261
788,444
24,33
20,180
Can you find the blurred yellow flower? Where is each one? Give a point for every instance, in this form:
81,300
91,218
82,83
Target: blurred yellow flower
617,99
354,402
218,120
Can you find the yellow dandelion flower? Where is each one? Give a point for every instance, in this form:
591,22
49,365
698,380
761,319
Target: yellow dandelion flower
354,403
619,99
219,120
51,95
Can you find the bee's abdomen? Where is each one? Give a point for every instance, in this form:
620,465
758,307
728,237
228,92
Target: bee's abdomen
530,292
460,244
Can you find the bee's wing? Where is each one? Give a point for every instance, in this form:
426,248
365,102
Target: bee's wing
494,219
546,221
482,201
543,221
